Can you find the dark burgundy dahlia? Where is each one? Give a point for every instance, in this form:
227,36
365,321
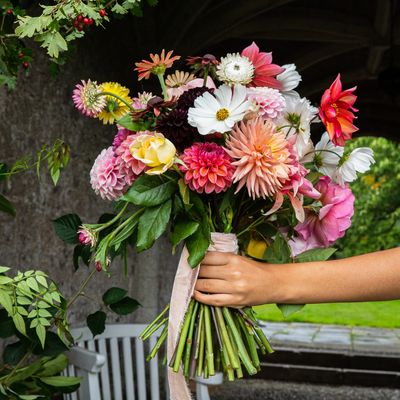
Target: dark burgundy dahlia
186,100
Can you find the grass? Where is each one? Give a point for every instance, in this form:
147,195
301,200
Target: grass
383,314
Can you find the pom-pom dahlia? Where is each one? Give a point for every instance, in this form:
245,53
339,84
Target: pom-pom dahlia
121,135
106,177
268,103
263,158
208,168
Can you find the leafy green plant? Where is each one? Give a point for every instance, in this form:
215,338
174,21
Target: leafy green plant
57,158
376,221
56,28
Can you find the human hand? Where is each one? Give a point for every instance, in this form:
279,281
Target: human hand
227,279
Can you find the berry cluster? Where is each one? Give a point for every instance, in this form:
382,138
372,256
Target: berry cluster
80,22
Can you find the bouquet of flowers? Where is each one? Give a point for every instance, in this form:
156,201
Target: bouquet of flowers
223,159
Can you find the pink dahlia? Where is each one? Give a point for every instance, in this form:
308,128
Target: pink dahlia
208,168
87,99
268,103
264,71
106,176
263,158
121,135
323,228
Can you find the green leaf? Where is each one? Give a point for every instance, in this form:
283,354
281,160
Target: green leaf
113,295
81,252
134,126
315,255
289,309
96,322
184,191
61,381
42,280
14,352
152,224
41,334
9,80
4,269
30,396
6,206
54,346
125,306
54,365
31,282
150,190
198,243
183,228
118,9
67,227
19,323
28,26
54,43
5,301
278,252
7,327
4,280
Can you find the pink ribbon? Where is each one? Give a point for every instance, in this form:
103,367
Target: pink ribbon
185,280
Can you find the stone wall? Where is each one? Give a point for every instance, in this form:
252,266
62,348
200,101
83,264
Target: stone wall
39,111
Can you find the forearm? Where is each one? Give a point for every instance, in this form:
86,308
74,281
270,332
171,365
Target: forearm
370,277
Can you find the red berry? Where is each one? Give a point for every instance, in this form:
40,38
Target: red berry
25,64
90,21
86,21
21,54
80,27
79,18
75,23
102,13
9,11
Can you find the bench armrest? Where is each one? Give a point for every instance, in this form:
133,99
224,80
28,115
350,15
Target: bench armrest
86,360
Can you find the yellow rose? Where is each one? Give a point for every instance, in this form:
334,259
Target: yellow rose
256,248
155,151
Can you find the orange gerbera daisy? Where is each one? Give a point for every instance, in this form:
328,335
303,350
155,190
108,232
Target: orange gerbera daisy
157,65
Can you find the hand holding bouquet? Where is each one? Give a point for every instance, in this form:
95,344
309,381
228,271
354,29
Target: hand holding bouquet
225,160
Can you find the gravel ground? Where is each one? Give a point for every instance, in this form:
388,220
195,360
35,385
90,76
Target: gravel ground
274,390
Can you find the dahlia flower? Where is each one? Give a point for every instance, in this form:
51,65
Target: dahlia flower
264,71
327,156
323,228
130,165
140,102
296,120
220,111
121,135
263,159
267,102
235,69
208,168
157,65
87,100
359,160
289,79
106,177
87,236
336,112
114,108
186,100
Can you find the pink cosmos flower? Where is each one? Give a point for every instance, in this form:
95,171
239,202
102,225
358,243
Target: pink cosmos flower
336,112
268,103
262,157
207,168
323,228
130,165
264,71
106,176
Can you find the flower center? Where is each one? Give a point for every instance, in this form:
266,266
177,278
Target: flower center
222,114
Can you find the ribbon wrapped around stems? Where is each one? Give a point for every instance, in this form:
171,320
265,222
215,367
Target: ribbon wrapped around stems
185,280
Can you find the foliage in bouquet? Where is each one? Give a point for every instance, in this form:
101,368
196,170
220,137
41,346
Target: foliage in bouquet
226,148
376,221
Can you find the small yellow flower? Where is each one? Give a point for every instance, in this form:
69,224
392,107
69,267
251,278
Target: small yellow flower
155,151
256,248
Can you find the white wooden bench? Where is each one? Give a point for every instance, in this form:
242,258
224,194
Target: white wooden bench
113,366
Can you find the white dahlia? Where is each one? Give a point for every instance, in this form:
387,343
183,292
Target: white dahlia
267,102
235,69
359,160
289,79
296,120
218,112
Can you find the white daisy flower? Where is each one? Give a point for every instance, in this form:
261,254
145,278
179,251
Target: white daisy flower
218,112
235,69
327,156
290,79
359,160
296,120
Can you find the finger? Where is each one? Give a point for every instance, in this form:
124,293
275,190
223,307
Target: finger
212,271
216,258
219,300
213,286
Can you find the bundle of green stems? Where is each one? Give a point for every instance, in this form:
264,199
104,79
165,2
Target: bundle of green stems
213,339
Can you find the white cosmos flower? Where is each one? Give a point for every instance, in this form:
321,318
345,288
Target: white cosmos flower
218,112
296,120
235,69
359,160
290,79
327,156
